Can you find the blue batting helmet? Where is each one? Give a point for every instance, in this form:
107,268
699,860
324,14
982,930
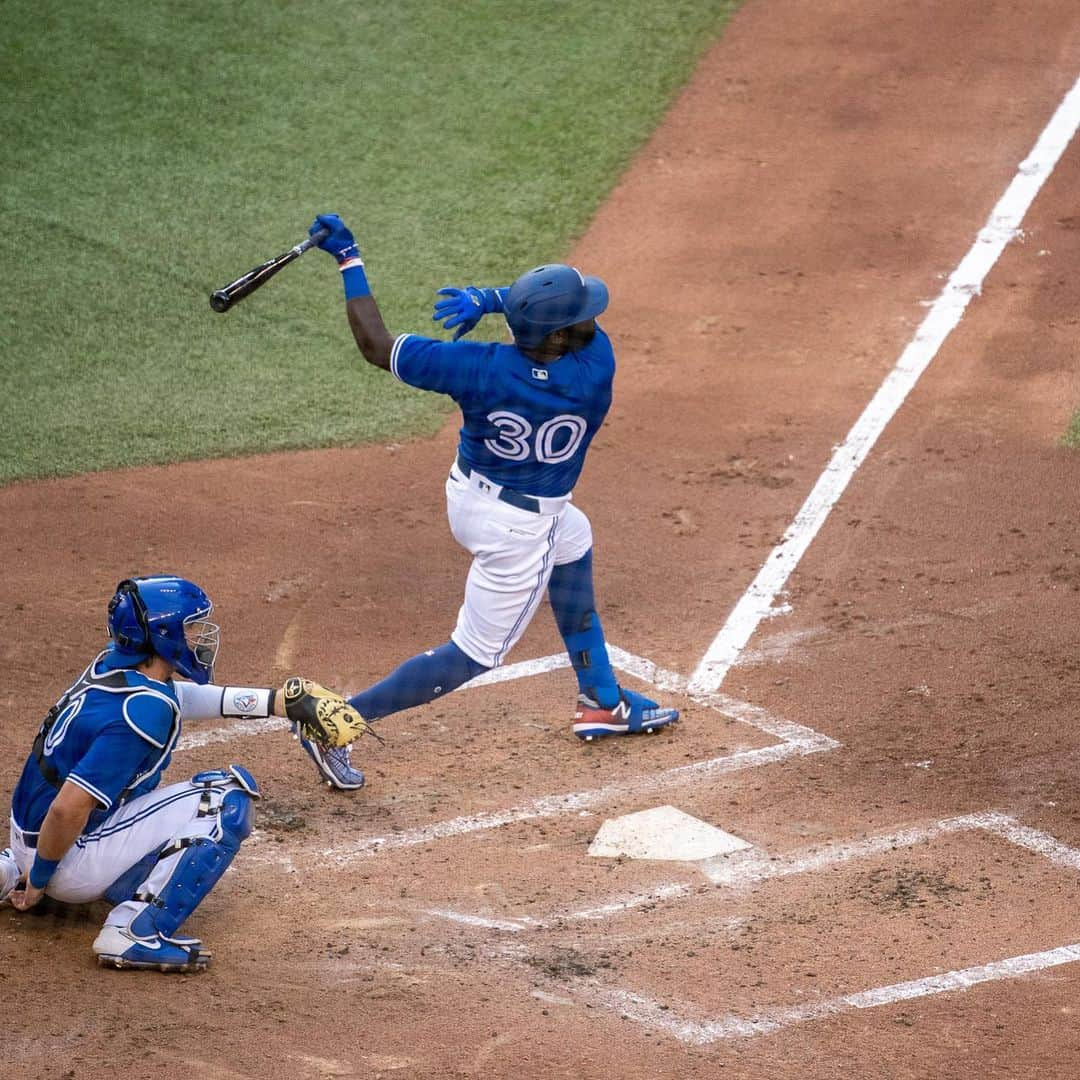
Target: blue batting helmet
550,298
168,616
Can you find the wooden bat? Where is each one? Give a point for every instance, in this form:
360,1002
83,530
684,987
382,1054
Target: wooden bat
256,278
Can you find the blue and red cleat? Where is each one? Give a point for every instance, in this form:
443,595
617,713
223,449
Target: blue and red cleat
633,714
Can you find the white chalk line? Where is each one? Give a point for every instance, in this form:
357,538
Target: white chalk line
751,866
748,867
481,921
795,740
236,730
703,1032
576,802
1032,839
616,907
942,318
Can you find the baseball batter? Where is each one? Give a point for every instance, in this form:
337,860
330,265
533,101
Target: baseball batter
530,411
88,818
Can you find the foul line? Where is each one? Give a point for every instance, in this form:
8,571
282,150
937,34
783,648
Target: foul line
942,318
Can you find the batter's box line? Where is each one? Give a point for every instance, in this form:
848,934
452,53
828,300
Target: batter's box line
702,1032
637,666
752,868
795,741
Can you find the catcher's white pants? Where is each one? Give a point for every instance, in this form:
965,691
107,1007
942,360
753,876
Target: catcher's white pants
143,825
514,552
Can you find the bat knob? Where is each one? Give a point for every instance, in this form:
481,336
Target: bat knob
220,301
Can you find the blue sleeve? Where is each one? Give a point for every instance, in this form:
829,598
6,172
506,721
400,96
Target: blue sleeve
456,368
116,756
126,748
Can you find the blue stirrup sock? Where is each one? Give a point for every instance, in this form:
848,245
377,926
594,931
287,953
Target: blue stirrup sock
571,594
417,681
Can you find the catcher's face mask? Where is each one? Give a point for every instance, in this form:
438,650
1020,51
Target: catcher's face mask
169,616
203,638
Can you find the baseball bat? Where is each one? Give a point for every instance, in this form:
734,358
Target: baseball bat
256,278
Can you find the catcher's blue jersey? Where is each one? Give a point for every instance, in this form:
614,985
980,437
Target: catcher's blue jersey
527,426
112,734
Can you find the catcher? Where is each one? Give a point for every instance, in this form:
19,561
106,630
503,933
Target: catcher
88,819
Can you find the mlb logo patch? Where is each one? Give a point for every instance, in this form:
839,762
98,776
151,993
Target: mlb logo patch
539,373
244,702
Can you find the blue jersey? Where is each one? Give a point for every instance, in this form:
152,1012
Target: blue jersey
112,734
527,425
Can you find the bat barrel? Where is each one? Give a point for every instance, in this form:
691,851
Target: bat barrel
223,299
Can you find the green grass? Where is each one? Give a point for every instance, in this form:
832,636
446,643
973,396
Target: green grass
1071,438
153,151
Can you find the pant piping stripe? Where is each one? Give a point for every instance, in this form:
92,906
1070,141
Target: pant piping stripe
532,595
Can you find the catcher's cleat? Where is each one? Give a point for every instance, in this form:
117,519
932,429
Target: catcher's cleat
9,873
118,947
632,715
333,762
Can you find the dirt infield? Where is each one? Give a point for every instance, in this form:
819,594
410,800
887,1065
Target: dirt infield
898,742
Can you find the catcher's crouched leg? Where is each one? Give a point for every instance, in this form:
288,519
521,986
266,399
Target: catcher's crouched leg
140,932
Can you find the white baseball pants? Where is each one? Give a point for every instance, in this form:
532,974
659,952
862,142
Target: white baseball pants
514,552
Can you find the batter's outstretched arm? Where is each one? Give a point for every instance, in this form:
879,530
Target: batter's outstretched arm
372,337
365,319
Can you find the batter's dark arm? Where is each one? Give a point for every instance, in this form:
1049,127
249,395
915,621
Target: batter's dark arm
372,337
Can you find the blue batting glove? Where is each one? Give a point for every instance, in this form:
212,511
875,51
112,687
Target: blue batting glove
465,307
462,308
340,243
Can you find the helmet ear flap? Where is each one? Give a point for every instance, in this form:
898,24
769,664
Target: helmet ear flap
127,637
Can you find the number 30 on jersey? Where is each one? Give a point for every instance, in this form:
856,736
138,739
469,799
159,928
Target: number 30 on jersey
556,439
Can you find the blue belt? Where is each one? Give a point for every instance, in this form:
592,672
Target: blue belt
522,502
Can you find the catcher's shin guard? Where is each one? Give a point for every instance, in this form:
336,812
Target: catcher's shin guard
188,867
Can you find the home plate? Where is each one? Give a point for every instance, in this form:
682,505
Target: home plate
662,833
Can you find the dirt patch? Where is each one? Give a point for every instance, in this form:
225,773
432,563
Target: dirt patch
909,887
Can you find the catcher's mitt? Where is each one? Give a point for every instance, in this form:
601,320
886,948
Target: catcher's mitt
322,715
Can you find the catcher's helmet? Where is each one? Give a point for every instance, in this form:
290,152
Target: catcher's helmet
168,616
550,298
